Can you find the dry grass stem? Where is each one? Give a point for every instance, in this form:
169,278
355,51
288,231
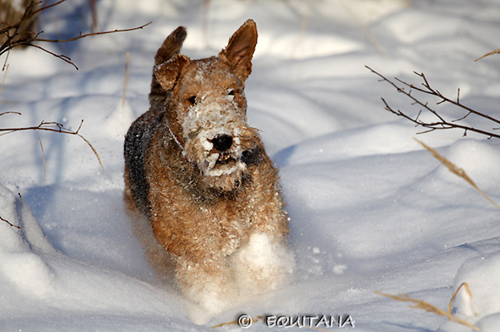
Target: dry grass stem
365,29
488,54
259,318
3,80
43,158
93,9
303,28
419,304
466,286
206,13
126,78
235,323
457,171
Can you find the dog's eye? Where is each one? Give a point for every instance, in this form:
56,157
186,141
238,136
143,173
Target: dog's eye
193,100
230,92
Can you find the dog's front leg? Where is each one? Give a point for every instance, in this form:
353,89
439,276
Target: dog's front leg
208,283
263,265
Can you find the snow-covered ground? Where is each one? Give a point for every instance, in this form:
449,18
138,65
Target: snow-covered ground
371,209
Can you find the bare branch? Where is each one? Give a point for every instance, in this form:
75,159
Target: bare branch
33,5
60,56
441,123
15,37
53,127
463,117
90,34
10,112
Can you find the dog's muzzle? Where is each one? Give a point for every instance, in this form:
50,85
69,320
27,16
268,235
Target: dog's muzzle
225,156
222,143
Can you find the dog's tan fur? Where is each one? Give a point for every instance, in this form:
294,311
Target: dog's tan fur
201,175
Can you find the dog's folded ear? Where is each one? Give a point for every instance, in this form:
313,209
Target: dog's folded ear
171,46
168,61
239,51
168,72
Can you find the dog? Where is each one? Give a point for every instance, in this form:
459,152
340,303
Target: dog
202,177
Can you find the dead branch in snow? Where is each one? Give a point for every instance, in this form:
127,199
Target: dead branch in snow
17,30
52,127
8,222
440,122
15,35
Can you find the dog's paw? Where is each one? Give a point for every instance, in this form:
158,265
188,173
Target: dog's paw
262,266
208,297
200,313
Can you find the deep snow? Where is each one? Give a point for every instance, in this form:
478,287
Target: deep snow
371,209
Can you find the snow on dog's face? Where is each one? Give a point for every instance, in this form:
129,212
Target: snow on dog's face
211,111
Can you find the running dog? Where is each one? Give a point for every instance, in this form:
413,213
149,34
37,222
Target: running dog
201,175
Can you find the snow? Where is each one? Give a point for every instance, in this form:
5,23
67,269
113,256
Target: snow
371,210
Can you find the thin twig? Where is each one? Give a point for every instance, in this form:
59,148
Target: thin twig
63,57
33,4
10,112
90,34
53,127
11,224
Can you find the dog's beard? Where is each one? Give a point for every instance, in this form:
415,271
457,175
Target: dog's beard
218,170
218,164
222,179
222,170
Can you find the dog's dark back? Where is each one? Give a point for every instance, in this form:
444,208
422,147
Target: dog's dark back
140,133
137,142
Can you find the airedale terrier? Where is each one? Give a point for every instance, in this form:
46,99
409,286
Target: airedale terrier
201,175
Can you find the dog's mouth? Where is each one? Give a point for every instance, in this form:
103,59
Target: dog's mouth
225,159
224,164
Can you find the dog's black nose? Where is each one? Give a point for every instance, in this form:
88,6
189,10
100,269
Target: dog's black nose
222,143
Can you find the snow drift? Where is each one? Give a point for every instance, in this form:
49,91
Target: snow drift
371,210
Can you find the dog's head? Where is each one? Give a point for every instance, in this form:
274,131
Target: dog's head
206,105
